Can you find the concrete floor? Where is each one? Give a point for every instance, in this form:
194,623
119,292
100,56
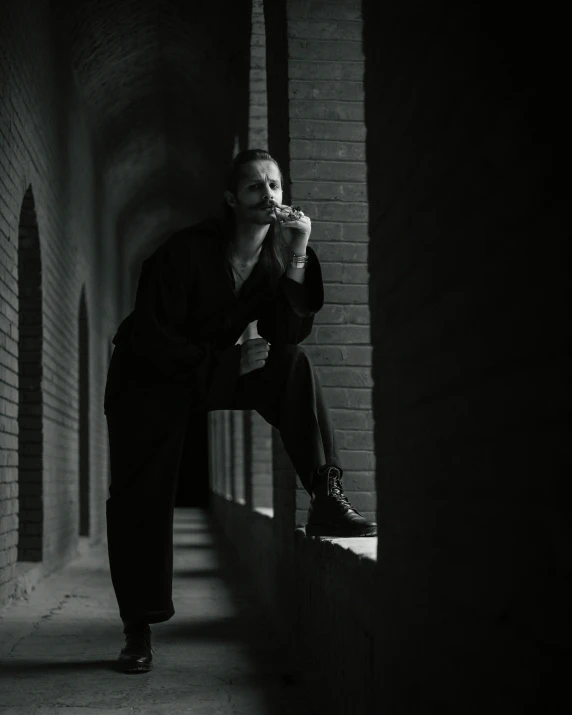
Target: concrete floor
216,655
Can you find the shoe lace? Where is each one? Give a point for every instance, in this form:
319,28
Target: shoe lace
336,489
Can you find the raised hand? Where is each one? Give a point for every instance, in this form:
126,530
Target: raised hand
294,224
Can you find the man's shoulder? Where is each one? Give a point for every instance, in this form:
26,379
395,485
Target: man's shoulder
207,233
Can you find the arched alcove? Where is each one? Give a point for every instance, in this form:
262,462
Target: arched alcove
30,402
109,356
83,388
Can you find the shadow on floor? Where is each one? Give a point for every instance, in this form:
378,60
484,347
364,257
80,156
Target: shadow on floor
218,654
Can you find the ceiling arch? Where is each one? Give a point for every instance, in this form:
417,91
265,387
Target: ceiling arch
164,86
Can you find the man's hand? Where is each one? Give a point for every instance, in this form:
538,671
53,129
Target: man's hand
253,355
295,226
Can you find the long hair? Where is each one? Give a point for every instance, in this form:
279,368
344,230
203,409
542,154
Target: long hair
274,255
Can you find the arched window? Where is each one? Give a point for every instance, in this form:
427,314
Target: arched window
30,399
83,372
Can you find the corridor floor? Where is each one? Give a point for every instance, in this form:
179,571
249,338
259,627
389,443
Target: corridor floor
217,655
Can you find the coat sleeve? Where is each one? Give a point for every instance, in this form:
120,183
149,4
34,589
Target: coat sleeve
159,332
289,316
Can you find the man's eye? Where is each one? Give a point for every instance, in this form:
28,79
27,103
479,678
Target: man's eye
273,185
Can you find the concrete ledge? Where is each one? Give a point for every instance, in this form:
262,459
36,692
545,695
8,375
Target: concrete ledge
363,547
252,534
319,593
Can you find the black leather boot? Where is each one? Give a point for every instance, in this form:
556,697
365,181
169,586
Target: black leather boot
136,656
330,512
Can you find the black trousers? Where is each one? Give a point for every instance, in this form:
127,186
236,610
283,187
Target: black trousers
145,452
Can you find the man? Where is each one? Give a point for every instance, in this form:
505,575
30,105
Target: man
183,348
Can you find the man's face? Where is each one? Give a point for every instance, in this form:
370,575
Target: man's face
259,184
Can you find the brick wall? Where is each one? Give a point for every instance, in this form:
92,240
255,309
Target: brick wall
315,110
47,156
260,444
251,441
469,262
258,99
324,145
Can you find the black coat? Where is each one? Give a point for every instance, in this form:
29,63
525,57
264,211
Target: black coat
179,342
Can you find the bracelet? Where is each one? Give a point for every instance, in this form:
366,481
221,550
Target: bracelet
299,261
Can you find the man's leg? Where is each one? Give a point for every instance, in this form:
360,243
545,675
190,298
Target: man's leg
288,394
145,442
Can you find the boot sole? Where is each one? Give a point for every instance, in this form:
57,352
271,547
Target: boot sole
318,530
126,667
134,671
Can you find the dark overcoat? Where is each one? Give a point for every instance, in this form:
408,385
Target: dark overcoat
177,349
